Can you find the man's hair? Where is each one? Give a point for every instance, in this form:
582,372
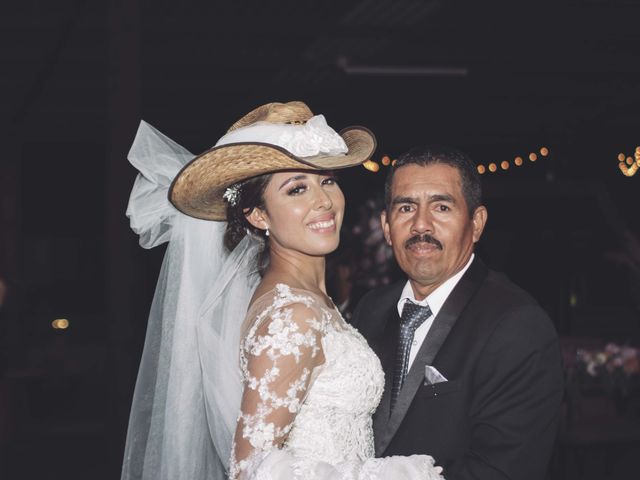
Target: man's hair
433,154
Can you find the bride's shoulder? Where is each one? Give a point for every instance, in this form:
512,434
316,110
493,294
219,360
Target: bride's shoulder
280,294
283,303
283,322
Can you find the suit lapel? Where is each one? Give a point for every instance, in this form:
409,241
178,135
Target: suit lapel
442,325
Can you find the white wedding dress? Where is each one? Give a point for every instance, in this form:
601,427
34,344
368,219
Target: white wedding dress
311,386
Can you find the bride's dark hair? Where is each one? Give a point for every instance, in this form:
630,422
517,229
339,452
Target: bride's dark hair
250,195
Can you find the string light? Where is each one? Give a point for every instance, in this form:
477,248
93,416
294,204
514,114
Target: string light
517,161
371,166
374,166
492,167
629,165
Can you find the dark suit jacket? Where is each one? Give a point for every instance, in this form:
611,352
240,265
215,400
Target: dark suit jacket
496,417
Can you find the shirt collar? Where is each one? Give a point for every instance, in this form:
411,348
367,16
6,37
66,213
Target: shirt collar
435,299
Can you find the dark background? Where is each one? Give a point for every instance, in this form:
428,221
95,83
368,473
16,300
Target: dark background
498,79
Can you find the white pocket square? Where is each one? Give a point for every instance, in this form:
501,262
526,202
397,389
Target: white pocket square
433,376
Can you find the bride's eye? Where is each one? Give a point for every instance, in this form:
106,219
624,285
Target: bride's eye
330,181
297,189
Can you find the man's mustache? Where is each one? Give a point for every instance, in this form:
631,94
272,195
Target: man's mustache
424,238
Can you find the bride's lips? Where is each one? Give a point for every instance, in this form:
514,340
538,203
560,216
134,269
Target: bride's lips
323,224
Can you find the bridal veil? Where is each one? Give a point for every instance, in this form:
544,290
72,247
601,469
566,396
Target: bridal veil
188,390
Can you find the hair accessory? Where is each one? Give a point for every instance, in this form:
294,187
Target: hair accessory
231,194
271,138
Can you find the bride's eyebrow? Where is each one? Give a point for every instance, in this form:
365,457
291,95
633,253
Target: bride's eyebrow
292,179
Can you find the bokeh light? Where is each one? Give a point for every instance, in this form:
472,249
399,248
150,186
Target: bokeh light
371,166
60,324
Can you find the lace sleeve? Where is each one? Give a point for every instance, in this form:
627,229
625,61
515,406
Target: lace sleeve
279,355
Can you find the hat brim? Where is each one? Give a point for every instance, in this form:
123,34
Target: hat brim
197,190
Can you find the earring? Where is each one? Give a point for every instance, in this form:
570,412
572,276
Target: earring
266,232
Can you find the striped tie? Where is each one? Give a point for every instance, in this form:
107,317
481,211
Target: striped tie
412,317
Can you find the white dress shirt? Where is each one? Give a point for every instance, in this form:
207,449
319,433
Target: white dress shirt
435,300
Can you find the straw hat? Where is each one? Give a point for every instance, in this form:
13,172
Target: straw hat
198,189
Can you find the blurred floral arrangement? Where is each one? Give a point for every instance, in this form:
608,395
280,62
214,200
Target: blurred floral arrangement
375,265
615,367
612,358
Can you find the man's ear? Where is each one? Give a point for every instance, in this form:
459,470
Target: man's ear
258,218
385,226
479,220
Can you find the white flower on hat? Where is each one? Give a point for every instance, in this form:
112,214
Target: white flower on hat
232,194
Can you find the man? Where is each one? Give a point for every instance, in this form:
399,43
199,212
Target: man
473,371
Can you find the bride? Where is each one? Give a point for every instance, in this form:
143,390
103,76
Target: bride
248,370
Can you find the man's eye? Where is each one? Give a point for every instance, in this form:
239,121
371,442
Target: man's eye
405,208
443,208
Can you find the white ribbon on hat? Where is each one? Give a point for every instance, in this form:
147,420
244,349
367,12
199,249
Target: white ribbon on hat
313,138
